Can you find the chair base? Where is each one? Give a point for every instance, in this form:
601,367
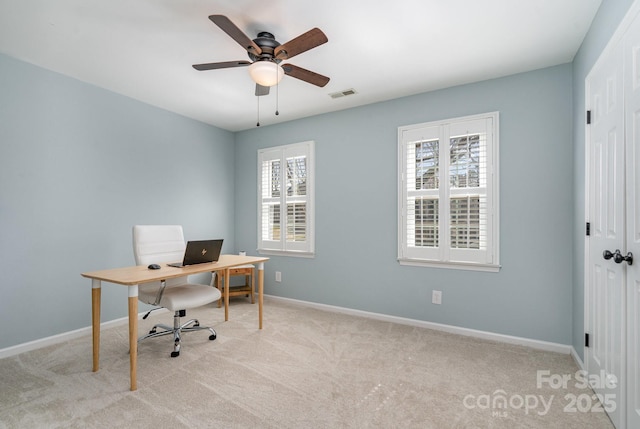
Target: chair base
177,329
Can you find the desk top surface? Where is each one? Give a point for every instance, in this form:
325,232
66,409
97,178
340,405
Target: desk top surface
130,276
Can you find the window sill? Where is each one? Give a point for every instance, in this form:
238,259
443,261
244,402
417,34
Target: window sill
468,266
295,254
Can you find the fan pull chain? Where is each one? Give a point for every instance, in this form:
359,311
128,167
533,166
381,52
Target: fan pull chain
277,91
258,122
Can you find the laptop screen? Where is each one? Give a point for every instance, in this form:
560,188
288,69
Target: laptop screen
200,252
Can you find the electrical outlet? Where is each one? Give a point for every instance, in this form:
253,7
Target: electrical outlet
278,276
436,297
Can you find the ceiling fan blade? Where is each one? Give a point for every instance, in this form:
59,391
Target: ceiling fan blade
305,75
302,43
235,33
261,90
222,65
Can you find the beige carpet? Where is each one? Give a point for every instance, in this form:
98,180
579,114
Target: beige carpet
306,369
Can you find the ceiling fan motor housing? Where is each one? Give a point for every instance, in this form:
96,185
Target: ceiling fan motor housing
267,42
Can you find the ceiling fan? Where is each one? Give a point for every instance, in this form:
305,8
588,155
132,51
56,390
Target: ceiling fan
266,54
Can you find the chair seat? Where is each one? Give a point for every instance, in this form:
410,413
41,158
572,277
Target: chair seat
180,297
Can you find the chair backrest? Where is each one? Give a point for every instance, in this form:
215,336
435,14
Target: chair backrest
155,244
158,244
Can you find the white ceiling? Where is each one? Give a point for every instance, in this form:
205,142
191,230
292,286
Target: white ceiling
383,49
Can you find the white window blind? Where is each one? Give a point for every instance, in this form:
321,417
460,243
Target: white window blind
448,193
285,199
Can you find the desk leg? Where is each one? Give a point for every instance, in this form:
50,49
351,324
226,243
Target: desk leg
260,292
95,322
218,286
226,294
133,335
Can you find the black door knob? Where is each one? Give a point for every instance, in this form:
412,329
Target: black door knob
628,258
618,258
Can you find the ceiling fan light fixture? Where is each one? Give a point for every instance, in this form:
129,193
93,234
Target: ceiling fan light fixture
266,73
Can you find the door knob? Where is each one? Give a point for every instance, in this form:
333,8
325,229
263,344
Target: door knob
628,258
618,258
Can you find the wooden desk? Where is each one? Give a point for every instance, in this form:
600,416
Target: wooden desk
133,276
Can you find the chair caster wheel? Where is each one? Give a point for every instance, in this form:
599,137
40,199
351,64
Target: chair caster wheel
175,354
212,337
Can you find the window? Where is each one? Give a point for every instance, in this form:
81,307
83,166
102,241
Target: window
448,193
285,200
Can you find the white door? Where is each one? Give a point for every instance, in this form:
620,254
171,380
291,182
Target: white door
606,282
632,125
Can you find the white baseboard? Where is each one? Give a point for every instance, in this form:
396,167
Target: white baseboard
576,358
536,344
65,336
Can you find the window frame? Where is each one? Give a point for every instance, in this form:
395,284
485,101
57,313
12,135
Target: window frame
444,255
282,246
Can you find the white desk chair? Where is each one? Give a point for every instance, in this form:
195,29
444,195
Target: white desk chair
159,244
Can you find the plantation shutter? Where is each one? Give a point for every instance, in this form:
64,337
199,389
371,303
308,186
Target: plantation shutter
285,198
469,216
422,192
447,191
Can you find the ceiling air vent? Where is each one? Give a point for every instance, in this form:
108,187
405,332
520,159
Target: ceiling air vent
343,93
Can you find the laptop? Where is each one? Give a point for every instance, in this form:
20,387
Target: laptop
200,252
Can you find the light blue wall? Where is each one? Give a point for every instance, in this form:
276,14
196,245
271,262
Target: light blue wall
604,25
78,167
356,219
